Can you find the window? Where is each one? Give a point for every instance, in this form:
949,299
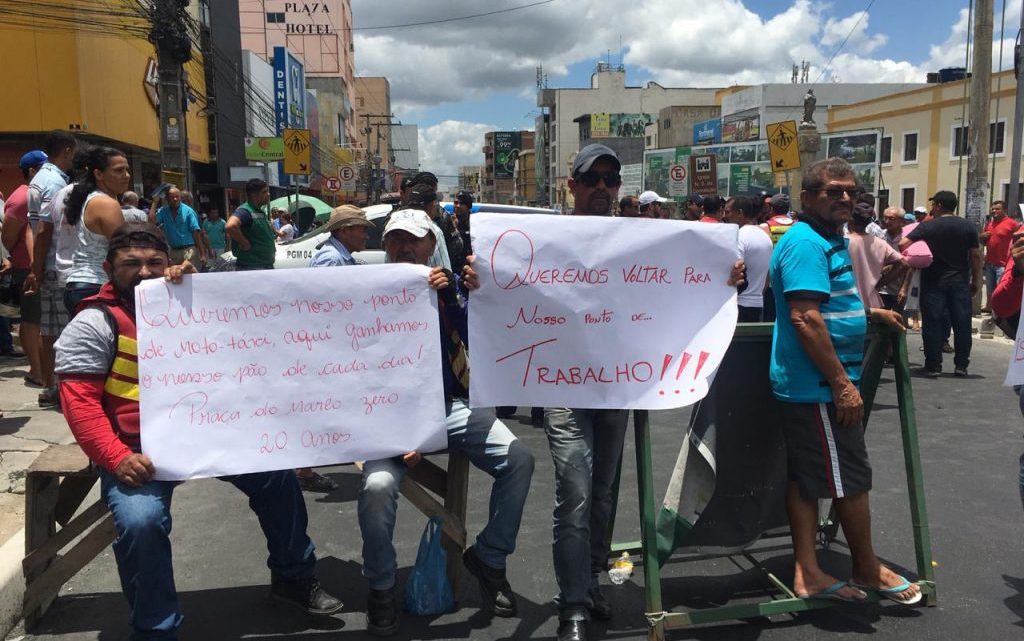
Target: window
961,147
359,102
666,123
907,198
885,153
996,137
883,199
910,148
275,18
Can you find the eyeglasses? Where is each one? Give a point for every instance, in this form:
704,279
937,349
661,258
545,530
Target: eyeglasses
836,193
591,178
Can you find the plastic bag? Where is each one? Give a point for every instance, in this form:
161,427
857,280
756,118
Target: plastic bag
428,590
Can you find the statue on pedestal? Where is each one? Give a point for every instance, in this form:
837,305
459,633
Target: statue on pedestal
809,103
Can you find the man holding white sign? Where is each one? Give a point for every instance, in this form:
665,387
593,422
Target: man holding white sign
596,315
97,357
490,446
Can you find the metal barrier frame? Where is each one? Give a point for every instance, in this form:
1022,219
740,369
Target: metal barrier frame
880,340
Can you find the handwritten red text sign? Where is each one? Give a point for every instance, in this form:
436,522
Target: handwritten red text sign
594,312
252,371
1015,372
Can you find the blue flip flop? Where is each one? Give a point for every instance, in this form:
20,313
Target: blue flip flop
891,593
831,593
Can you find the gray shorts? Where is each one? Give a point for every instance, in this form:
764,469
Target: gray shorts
824,459
53,313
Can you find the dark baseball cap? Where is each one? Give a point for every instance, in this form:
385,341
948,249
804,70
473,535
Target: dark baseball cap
464,197
424,178
34,158
945,199
136,234
421,195
695,199
780,203
586,157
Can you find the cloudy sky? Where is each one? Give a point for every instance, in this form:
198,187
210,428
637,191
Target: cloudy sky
458,78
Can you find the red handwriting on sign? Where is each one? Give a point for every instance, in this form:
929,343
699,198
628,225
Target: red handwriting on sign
296,369
337,369
401,360
683,361
377,400
245,342
693,277
265,411
596,319
171,379
380,328
307,338
189,348
404,297
252,370
640,316
328,404
643,274
536,319
518,249
271,443
201,315
638,372
193,409
323,439
1019,353
321,306
152,351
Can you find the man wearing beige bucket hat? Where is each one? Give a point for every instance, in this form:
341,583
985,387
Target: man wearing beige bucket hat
349,231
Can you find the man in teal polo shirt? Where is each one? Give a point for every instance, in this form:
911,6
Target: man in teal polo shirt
180,224
252,238
817,351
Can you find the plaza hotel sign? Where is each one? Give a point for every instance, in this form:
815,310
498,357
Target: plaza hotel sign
309,18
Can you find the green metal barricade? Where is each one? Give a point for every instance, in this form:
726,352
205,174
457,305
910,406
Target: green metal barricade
881,342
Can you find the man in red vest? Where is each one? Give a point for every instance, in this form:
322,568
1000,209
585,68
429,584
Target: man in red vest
97,358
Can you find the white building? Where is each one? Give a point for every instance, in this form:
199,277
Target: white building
405,146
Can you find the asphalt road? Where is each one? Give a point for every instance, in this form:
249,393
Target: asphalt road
970,437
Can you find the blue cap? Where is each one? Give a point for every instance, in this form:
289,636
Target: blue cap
910,218
34,158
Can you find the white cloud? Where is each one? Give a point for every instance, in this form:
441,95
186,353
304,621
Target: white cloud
449,144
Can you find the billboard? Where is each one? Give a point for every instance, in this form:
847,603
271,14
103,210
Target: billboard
263,149
604,125
707,132
741,130
507,145
289,91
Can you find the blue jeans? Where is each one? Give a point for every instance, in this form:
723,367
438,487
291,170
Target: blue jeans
992,275
142,548
586,446
493,449
938,300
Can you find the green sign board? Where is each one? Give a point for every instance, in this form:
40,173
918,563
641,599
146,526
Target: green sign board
264,149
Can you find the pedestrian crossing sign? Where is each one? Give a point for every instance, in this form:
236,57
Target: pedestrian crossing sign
298,152
782,146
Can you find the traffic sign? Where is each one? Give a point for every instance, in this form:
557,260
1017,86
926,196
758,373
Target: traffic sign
347,174
782,145
704,174
298,152
333,184
677,181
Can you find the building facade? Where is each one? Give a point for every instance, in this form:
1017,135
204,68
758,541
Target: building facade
372,113
501,149
526,179
558,128
924,145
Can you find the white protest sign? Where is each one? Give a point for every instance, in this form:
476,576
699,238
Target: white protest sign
274,370
598,312
1015,373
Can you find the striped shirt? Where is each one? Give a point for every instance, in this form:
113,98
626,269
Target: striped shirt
808,264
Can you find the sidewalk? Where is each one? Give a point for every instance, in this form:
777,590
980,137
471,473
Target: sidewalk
25,430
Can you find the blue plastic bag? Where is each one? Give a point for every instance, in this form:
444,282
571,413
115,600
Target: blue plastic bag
428,590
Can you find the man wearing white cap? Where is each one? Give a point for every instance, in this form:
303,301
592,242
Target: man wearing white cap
650,204
490,446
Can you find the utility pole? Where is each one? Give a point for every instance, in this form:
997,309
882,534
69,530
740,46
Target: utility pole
173,48
1018,127
382,120
978,189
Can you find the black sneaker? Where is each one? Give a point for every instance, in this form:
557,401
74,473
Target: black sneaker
11,352
599,606
960,372
306,595
316,483
494,588
382,613
926,372
49,397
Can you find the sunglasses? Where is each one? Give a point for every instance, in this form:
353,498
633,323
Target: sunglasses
591,178
837,193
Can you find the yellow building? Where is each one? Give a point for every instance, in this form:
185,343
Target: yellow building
96,80
924,139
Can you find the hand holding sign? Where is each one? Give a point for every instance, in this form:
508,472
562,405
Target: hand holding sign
596,312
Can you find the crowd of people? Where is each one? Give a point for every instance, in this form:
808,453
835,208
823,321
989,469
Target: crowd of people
79,243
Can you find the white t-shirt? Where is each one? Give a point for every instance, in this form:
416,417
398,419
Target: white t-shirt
288,233
756,251
65,240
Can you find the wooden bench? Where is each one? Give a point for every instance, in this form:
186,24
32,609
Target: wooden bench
56,484
59,480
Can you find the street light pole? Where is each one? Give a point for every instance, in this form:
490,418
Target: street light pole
1018,125
173,48
977,195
